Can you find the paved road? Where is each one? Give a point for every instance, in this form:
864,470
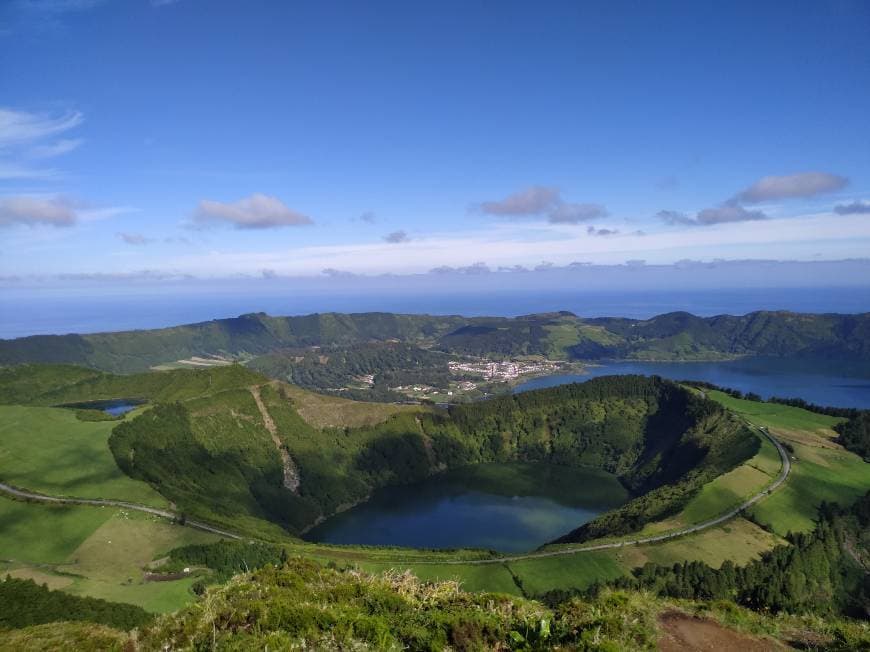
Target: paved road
783,474
101,502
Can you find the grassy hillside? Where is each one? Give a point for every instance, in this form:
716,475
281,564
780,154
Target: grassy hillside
204,442
93,551
822,470
673,336
207,445
51,451
215,457
303,605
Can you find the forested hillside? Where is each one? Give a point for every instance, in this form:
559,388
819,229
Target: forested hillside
205,443
823,571
663,442
672,336
214,441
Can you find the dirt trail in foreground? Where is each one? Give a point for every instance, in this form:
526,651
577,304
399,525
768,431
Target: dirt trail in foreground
683,633
291,473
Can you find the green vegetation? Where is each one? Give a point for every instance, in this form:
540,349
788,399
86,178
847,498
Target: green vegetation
56,385
205,443
388,364
45,534
672,336
778,415
51,451
321,411
79,636
304,605
215,459
821,470
820,572
24,603
855,434
94,551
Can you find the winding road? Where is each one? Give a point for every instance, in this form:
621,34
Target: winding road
105,502
783,474
101,502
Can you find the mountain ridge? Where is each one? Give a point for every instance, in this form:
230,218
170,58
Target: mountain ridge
556,335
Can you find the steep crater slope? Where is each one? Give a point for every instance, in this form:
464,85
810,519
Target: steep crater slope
219,442
214,458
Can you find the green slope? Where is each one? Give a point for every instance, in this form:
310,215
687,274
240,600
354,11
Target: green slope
672,336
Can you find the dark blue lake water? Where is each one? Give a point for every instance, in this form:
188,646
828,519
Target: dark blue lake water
115,407
816,381
506,507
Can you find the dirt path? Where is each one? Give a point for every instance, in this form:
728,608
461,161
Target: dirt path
683,633
291,473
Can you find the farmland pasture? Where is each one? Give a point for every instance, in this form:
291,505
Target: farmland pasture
49,450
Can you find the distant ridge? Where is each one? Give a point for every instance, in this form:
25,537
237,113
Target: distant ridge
556,335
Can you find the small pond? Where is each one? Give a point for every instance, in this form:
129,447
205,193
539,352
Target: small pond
510,507
115,407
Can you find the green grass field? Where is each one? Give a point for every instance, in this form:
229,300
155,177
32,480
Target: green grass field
839,477
111,560
101,551
322,411
567,571
95,551
49,450
738,540
821,470
775,415
45,534
727,491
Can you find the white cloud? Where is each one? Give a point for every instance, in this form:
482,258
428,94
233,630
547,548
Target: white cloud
728,212
56,211
397,237
573,213
591,230
255,212
57,148
531,201
18,127
543,200
528,244
136,239
804,184
12,171
28,136
855,208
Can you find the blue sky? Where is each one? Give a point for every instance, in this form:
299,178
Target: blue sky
215,138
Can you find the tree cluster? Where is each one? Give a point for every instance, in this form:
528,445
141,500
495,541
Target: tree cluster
23,603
